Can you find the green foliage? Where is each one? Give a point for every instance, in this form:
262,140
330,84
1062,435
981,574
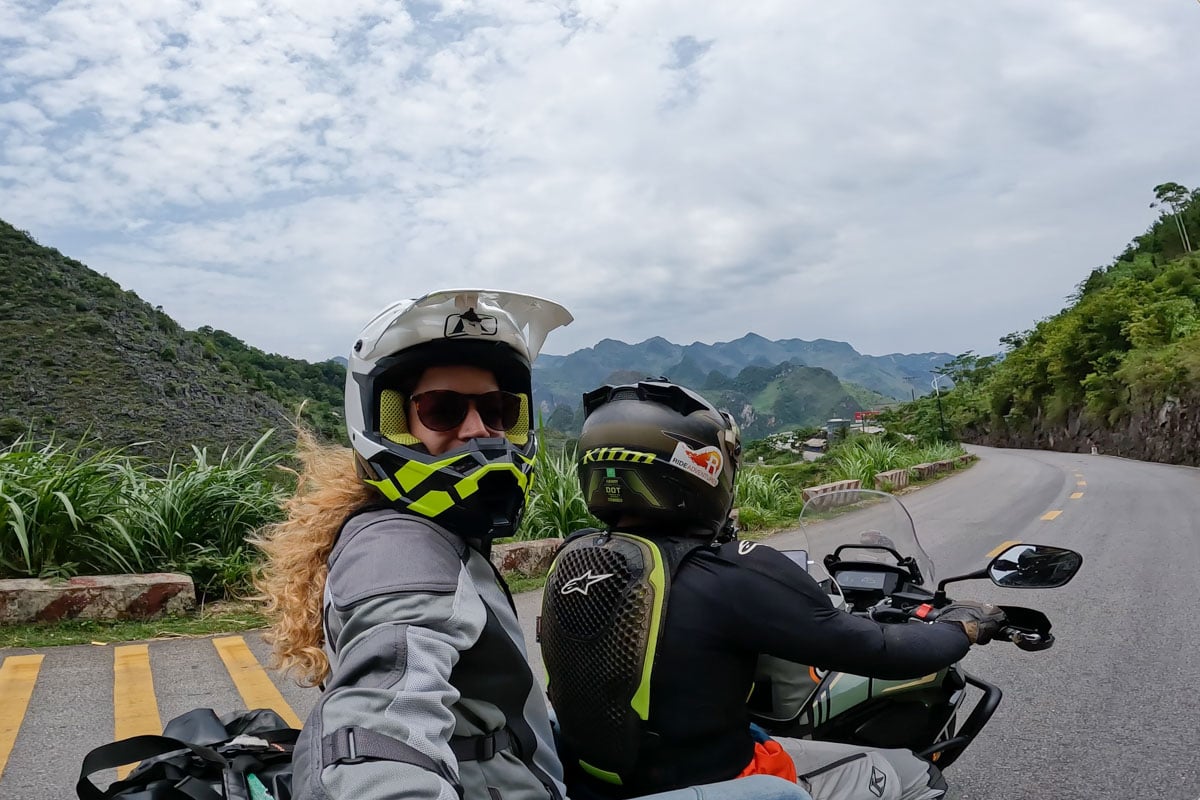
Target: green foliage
863,457
937,451
556,504
317,388
766,499
1130,338
213,618
78,511
868,398
195,519
61,511
82,359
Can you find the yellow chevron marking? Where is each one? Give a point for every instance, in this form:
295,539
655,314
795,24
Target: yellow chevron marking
1000,548
17,677
1049,515
1076,495
251,679
135,708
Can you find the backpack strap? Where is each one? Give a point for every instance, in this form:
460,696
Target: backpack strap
482,747
354,745
159,787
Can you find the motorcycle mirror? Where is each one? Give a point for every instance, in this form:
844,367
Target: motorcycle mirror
798,556
1034,566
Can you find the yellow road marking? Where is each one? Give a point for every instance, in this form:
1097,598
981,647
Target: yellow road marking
1076,495
135,708
17,677
251,679
1049,515
1002,547
1081,483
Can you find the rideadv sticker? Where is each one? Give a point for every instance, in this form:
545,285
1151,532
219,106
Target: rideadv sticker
704,463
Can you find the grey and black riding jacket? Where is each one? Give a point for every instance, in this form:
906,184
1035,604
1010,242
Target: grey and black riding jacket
430,693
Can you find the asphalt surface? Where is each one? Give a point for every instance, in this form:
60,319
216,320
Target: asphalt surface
1109,712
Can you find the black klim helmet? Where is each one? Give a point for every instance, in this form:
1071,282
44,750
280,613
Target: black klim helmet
660,453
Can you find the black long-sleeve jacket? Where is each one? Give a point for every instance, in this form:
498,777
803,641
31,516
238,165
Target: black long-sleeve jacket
730,604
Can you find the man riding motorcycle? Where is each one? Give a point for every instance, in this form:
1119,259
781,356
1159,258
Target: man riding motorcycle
651,629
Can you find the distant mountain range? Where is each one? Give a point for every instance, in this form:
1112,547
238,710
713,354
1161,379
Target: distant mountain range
81,357
769,385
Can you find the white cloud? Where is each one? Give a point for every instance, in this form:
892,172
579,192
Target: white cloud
900,176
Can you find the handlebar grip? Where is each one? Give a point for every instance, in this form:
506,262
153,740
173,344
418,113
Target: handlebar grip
1030,641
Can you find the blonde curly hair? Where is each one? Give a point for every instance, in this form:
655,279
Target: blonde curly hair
292,580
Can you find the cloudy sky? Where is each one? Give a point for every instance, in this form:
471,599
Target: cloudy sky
904,176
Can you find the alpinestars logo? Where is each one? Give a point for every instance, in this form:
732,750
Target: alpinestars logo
584,582
469,323
744,548
878,782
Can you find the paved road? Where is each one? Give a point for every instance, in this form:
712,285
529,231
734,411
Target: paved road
1108,713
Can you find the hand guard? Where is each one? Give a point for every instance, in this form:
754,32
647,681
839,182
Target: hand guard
981,621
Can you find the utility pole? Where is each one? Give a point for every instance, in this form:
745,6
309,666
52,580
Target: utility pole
938,393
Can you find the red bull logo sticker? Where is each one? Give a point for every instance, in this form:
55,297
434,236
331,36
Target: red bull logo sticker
705,463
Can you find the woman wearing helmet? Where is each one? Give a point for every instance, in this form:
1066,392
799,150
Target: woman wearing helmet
379,582
649,678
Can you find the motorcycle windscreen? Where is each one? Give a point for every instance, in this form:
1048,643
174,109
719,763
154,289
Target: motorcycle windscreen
868,526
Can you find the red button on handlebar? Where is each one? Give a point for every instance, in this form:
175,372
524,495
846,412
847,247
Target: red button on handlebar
922,611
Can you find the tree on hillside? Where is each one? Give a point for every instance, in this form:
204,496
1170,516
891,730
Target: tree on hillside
1175,197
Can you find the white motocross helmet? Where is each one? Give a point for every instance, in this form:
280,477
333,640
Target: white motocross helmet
478,490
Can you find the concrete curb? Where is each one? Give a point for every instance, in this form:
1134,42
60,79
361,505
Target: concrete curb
27,600
811,493
24,600
528,559
895,478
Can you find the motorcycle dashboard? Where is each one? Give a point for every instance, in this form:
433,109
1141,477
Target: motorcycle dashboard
867,580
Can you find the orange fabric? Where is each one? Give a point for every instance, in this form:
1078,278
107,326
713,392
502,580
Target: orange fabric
770,759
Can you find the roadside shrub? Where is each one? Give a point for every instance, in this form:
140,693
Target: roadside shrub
937,451
556,505
70,512
765,499
60,511
862,457
196,517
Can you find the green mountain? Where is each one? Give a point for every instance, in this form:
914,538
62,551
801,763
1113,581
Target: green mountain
80,357
858,381
1117,369
769,399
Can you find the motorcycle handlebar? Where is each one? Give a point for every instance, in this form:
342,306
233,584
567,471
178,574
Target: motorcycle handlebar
1027,640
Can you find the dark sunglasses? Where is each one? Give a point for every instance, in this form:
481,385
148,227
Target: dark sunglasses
444,410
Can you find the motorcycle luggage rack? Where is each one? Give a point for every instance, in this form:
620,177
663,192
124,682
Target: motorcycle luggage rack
943,754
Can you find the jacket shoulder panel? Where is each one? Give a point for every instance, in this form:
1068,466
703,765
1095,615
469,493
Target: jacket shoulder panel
385,552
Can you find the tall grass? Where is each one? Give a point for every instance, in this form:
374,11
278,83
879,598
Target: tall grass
765,499
68,511
196,518
863,457
61,510
65,512
556,503
938,451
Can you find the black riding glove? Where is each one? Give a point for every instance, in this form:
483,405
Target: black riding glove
981,621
